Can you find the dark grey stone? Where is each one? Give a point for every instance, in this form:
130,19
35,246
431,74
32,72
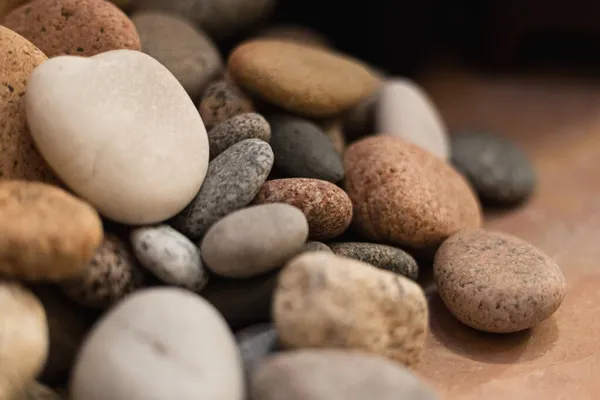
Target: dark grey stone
232,181
302,150
256,342
236,129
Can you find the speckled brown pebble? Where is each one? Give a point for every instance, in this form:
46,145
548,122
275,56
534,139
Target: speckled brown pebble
236,129
302,79
19,159
221,101
327,301
75,27
110,276
379,255
405,195
496,282
327,207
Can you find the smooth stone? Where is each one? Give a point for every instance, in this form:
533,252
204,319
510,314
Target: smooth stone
37,391
19,159
232,181
327,208
379,255
297,34
78,107
327,301
256,343
24,337
235,129
242,302
333,374
47,234
334,130
302,150
73,27
405,195
405,110
161,343
110,276
496,282
222,101
305,80
187,52
254,240
498,170
170,256
315,246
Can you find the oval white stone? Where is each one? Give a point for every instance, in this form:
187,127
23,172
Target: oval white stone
121,132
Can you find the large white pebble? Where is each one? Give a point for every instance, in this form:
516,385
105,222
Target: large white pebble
159,344
120,131
405,110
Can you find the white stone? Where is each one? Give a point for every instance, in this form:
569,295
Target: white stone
170,256
405,110
159,344
121,132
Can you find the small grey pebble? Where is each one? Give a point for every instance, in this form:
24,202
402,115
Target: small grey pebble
302,150
256,342
236,129
500,172
315,246
170,256
232,181
379,255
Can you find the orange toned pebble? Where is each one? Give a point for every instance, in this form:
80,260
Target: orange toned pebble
75,27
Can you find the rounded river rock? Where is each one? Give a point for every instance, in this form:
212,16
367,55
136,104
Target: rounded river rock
238,128
221,101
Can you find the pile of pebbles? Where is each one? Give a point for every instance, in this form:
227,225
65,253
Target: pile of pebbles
180,223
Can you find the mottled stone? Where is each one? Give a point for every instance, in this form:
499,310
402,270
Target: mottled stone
496,282
379,255
238,128
256,343
232,181
315,246
170,256
328,208
221,101
327,301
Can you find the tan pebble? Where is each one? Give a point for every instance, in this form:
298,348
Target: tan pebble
24,338
496,282
334,130
302,79
327,301
19,159
111,275
405,195
326,207
47,234
75,27
222,101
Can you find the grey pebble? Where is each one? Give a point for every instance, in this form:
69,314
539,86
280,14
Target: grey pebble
170,256
256,342
302,150
254,240
500,172
221,101
235,129
232,181
315,246
379,255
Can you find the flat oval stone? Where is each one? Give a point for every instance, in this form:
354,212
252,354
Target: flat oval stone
405,195
498,170
24,337
170,256
187,52
256,343
238,128
121,132
379,255
254,240
496,282
405,110
167,331
222,101
327,301
47,234
315,246
335,375
19,159
302,150
111,275
302,79
73,27
232,181
327,208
